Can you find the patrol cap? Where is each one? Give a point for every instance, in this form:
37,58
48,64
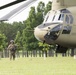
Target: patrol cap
11,41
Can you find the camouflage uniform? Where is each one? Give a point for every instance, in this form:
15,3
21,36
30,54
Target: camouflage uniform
12,50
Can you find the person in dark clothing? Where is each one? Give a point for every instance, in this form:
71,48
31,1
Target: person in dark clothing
12,50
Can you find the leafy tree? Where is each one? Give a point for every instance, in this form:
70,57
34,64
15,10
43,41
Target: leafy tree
41,7
2,41
18,26
18,40
6,29
48,7
29,41
44,46
40,12
10,30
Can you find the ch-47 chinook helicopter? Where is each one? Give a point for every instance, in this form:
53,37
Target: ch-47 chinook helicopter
58,27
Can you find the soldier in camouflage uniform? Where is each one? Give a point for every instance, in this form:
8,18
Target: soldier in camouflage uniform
12,50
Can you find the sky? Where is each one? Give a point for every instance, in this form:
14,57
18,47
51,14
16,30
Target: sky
22,15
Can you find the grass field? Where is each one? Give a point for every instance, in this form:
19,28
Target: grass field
38,66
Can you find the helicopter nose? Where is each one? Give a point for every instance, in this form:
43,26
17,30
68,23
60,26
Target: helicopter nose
39,34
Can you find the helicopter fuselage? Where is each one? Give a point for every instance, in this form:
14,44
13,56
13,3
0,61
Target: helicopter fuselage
59,27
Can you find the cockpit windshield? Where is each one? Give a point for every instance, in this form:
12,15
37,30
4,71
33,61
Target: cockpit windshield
49,16
60,15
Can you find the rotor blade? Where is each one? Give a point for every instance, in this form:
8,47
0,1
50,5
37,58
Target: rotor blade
10,4
17,10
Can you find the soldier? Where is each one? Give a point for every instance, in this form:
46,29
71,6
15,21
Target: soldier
12,49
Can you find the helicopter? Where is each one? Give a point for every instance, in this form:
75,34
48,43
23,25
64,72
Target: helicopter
58,27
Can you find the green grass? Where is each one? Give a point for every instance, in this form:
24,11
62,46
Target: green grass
38,66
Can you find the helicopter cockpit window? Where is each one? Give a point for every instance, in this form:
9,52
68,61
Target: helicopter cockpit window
71,19
49,16
66,30
55,32
64,11
64,15
67,19
55,18
59,16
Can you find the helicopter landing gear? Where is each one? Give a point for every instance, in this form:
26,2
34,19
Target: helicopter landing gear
61,49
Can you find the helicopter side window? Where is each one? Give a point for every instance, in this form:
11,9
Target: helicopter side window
61,17
66,30
64,11
71,19
67,19
53,18
56,17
